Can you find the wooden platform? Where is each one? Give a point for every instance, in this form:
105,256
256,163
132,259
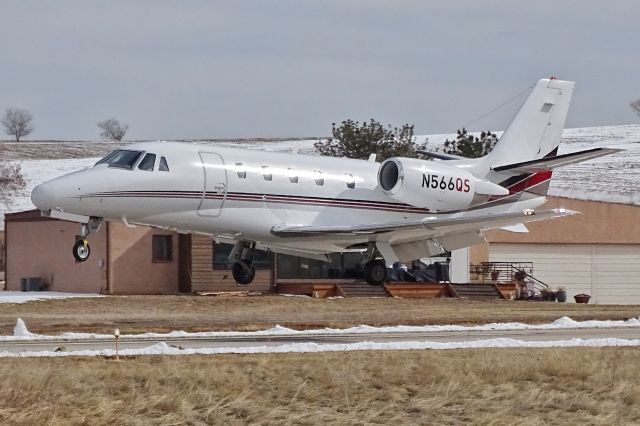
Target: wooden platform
362,289
418,290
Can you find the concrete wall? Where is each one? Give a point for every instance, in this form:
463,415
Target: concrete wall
44,249
131,268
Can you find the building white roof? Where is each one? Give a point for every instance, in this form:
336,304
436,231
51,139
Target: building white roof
614,178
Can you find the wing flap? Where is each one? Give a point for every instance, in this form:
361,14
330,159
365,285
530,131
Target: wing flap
434,224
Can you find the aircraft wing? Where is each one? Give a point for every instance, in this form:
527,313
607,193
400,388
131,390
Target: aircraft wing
436,226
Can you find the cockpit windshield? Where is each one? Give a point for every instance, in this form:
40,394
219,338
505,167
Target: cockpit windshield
121,158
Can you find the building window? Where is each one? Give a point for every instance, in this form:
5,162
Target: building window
221,251
162,248
345,265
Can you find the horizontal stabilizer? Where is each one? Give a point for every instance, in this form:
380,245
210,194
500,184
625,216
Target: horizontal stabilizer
550,163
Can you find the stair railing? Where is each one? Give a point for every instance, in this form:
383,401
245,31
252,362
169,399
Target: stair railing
539,286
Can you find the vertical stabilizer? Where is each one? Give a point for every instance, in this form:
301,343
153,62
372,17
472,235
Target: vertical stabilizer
536,130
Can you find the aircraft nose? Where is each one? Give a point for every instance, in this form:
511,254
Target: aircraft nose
43,196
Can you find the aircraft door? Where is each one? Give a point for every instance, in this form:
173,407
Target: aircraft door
214,191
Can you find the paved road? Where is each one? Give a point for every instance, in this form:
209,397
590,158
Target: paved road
132,342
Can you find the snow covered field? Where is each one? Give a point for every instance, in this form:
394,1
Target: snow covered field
21,333
612,178
564,323
30,296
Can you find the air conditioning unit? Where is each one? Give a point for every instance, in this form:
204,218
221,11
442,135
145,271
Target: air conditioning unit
31,284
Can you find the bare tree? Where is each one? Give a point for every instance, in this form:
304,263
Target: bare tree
17,122
112,129
635,105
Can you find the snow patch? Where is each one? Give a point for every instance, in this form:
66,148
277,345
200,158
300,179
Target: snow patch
30,296
20,330
163,349
278,330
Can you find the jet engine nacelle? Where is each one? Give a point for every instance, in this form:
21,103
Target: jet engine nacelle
432,185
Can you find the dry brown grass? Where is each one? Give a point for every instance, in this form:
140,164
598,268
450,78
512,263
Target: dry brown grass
197,313
495,387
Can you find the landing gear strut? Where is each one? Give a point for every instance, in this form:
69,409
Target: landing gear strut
242,255
81,249
374,270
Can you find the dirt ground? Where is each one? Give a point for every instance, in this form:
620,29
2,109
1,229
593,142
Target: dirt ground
136,314
456,387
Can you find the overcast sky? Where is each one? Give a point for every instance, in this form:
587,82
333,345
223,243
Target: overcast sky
203,69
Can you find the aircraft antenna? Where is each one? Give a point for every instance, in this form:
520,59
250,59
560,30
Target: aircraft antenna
491,111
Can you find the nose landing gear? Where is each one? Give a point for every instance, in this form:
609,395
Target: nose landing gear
81,249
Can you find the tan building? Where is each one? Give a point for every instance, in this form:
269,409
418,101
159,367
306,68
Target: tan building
123,260
596,252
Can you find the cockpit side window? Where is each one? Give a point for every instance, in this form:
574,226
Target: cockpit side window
121,158
164,167
148,162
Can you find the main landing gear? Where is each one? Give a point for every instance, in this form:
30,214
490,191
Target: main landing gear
81,249
242,256
374,270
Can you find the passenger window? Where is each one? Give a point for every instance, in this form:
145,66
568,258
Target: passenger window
293,178
265,173
242,173
148,162
319,179
164,167
351,183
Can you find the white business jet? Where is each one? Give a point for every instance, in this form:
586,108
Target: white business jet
399,210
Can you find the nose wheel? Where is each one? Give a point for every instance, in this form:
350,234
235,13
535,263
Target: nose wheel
81,250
